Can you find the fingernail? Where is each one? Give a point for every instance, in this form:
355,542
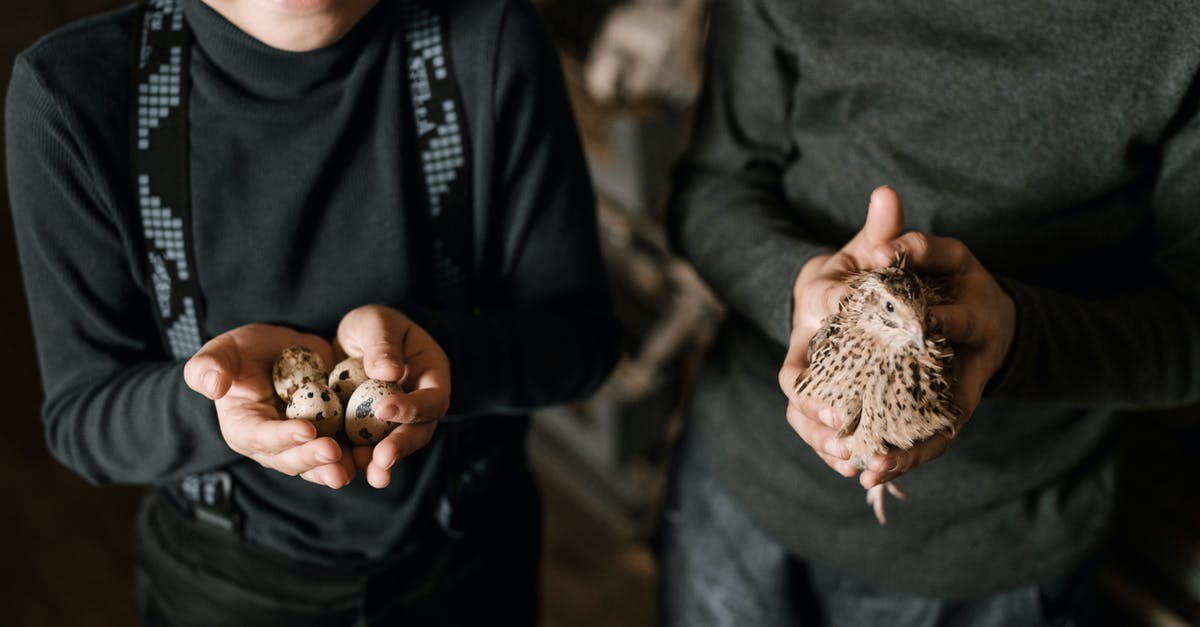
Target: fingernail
301,437
829,418
211,379
879,465
388,466
387,412
325,459
385,361
883,257
831,448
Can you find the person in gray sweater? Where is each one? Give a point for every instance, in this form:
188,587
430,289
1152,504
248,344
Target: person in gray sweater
1048,158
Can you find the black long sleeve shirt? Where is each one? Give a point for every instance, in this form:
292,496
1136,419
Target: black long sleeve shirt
1061,143
298,216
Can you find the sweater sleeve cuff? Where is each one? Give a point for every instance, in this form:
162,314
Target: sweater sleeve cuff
1007,380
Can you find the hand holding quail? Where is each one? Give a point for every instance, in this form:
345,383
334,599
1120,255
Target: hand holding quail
879,363
976,315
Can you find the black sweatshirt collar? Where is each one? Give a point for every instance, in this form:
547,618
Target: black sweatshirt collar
268,72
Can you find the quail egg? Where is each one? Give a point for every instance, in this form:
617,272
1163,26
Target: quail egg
362,427
346,377
315,402
295,366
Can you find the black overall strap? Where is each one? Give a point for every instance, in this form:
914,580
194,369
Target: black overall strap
440,133
159,159
160,172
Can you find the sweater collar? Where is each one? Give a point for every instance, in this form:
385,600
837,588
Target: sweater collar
269,72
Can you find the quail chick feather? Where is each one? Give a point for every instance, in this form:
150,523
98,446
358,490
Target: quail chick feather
881,366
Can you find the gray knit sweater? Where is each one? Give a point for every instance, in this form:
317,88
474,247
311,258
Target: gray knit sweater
1060,142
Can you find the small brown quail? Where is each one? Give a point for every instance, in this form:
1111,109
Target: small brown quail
879,363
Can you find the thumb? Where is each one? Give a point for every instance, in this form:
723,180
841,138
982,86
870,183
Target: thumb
371,334
210,370
885,222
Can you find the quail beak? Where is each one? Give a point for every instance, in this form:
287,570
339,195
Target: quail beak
914,329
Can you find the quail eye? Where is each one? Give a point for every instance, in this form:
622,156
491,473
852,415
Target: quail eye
890,307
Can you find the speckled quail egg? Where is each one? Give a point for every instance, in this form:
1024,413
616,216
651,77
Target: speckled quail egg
294,367
315,402
346,377
362,426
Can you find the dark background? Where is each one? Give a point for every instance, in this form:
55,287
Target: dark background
67,546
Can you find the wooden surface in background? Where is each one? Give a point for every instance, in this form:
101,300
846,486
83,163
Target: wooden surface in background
68,545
